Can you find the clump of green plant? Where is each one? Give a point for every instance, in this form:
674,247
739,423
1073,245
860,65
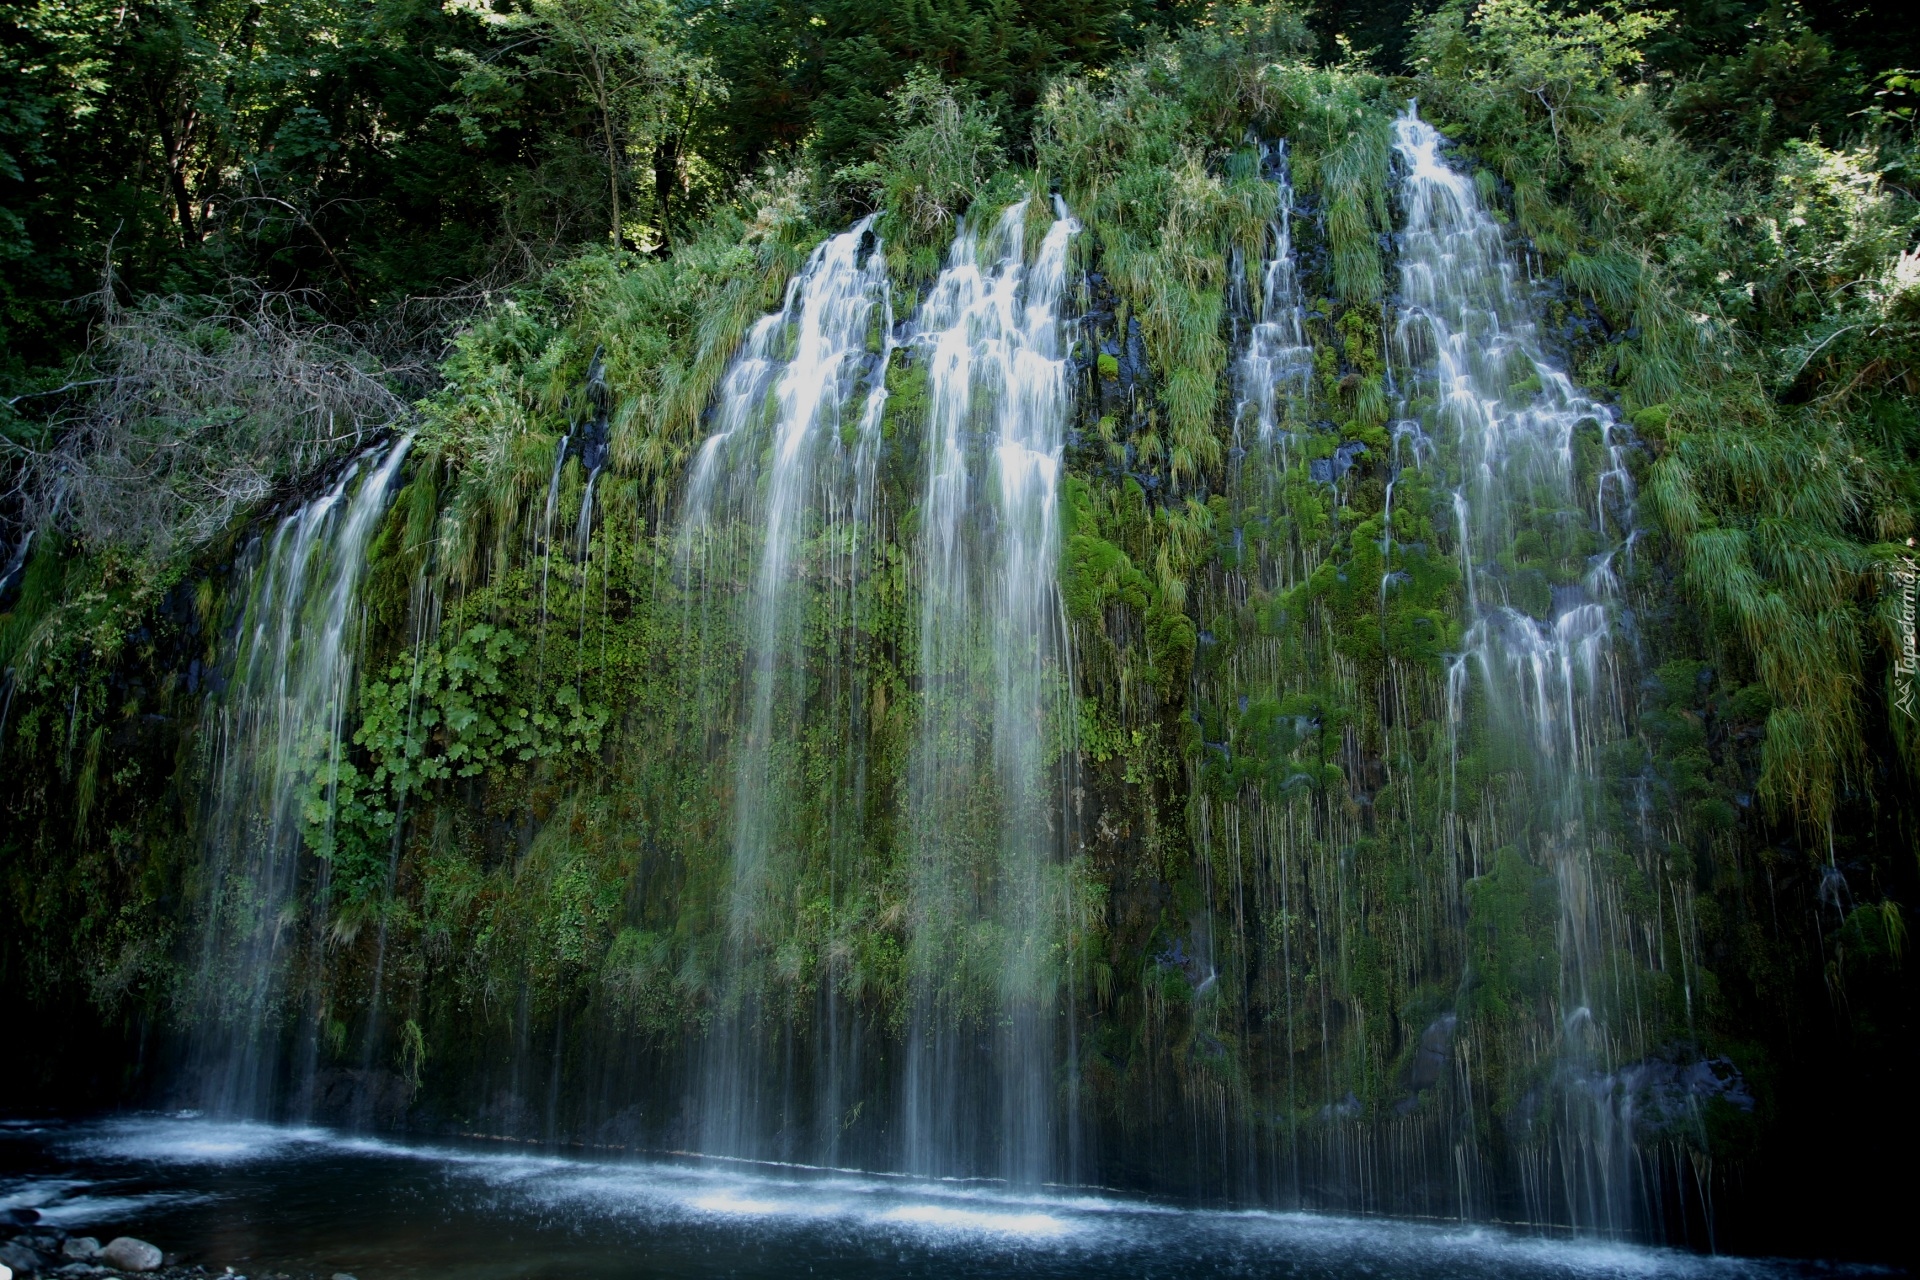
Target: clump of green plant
944,149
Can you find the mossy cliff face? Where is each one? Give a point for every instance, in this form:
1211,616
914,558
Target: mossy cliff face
1326,927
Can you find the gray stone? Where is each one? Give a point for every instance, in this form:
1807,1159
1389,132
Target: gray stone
81,1248
345,1275
20,1259
124,1253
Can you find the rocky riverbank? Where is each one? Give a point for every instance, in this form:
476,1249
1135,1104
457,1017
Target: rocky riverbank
30,1246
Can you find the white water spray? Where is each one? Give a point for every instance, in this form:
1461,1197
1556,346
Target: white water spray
275,735
1539,669
990,819
1275,371
789,471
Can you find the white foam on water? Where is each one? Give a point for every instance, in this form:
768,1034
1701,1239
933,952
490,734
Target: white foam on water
186,1139
85,1211
32,1193
1130,1237
727,1202
947,1218
75,1202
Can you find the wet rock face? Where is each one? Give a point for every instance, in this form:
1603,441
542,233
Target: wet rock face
1430,1060
359,1098
1662,1095
1436,1045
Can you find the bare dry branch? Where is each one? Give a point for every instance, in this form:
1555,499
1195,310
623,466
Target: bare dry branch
198,409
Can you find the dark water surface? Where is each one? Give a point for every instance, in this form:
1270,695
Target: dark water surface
265,1198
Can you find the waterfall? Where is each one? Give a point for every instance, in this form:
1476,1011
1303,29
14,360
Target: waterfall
1275,370
788,471
1537,688
989,818
274,736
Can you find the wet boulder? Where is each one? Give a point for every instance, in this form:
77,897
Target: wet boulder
124,1253
1433,1054
80,1249
20,1259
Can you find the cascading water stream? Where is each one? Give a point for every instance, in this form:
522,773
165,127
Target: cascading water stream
778,474
544,548
275,740
989,815
1540,676
1275,371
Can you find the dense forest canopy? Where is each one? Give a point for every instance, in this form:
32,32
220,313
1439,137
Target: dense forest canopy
242,243
380,151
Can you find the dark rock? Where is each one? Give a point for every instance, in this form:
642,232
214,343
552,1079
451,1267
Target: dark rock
22,1260
81,1248
1430,1059
23,1217
366,1098
1661,1095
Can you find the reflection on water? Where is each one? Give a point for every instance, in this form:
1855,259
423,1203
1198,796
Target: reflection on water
262,1198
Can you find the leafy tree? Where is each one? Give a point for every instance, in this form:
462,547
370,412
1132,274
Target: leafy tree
620,59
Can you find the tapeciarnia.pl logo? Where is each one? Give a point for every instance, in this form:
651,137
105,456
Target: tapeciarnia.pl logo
1906,658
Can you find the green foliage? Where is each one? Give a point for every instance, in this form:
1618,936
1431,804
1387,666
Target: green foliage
945,149
1785,82
669,328
823,71
1512,912
620,55
461,710
1548,54
1130,153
